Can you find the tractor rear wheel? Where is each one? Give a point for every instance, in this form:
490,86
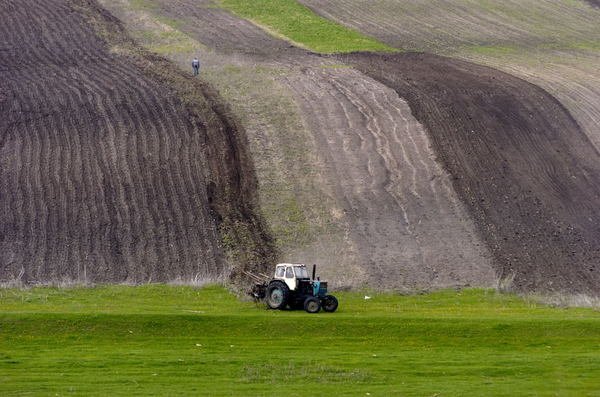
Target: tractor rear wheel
277,295
312,305
330,303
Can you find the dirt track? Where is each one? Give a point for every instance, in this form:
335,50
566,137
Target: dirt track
104,173
520,162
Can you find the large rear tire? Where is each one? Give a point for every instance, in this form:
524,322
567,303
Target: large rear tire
330,303
312,305
277,295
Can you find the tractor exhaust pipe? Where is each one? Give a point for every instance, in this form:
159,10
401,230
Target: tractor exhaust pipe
314,272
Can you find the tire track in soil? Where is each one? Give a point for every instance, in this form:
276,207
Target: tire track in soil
103,175
520,162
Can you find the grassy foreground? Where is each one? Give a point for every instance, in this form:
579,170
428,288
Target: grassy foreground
165,340
302,26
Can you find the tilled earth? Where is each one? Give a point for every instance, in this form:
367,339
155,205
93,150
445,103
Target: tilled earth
226,33
530,176
550,43
407,223
431,172
492,179
401,223
104,174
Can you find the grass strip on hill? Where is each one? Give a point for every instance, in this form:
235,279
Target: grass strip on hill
172,340
303,27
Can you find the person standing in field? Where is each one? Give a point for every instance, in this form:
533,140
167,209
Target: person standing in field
196,66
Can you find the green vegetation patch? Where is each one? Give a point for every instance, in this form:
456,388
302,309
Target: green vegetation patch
174,340
303,27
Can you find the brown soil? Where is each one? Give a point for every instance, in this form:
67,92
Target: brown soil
550,43
401,212
529,175
519,177
452,26
391,217
373,160
107,175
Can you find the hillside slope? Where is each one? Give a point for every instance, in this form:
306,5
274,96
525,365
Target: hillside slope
347,178
553,44
107,175
519,161
402,171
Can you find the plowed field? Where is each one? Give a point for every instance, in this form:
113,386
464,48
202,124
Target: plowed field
401,211
369,202
104,173
553,44
518,159
517,175
399,171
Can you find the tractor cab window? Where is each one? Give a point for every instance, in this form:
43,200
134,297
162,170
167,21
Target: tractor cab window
301,272
289,273
280,271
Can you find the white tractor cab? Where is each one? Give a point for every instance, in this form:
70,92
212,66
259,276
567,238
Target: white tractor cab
292,286
290,273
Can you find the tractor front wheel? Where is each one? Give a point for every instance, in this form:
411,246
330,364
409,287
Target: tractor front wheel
330,303
312,305
277,295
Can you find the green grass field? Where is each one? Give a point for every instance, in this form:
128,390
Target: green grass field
300,25
166,340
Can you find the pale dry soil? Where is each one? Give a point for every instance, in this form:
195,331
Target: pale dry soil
519,161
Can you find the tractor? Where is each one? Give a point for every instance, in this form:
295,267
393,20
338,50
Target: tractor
292,287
